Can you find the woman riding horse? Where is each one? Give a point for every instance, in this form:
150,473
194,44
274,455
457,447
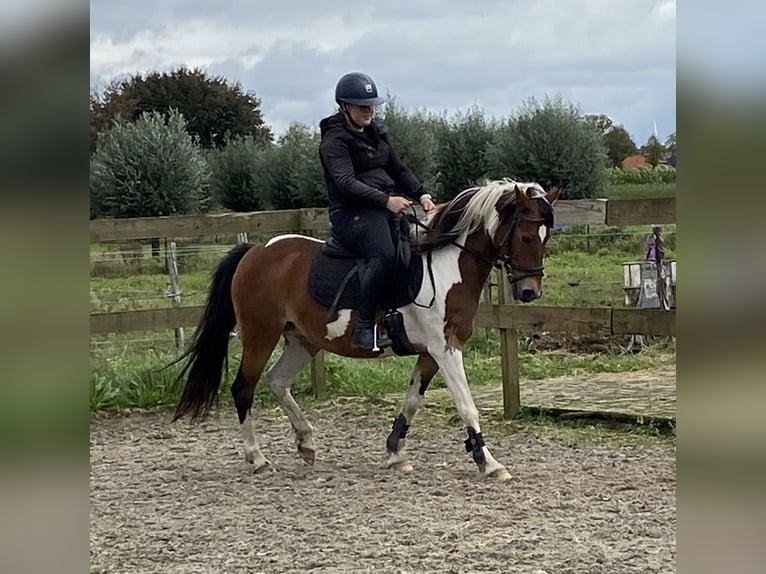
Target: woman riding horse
264,289
364,177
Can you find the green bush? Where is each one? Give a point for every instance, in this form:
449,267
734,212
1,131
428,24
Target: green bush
240,174
642,175
148,168
551,143
296,179
415,137
461,153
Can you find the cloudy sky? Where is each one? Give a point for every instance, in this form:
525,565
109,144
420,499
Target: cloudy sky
609,57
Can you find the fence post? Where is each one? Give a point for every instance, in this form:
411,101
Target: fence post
175,296
509,356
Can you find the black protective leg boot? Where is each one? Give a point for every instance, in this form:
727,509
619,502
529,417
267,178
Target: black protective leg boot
363,336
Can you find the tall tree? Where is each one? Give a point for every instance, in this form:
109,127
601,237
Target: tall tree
670,144
619,145
214,109
240,174
603,123
148,168
462,152
551,143
415,136
653,150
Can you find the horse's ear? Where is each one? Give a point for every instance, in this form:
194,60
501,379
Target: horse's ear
553,195
521,197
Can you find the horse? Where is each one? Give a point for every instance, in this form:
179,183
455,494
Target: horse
262,290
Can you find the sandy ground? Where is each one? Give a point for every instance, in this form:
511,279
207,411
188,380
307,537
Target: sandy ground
180,498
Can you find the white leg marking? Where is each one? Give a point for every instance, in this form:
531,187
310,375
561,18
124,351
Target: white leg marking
253,454
294,357
450,362
412,402
339,327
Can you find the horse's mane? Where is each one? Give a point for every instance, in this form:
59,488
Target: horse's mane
475,207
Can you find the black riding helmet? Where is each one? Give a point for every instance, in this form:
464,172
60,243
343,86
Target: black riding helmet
358,89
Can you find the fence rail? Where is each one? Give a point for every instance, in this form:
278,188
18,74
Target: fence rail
598,321
510,320
568,212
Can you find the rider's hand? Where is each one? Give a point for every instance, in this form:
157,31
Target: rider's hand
397,204
426,203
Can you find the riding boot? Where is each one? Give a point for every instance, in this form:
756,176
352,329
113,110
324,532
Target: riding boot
363,336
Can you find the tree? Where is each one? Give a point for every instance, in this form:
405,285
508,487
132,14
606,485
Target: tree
148,168
296,178
415,136
653,150
241,174
619,145
670,144
603,123
214,109
551,143
461,152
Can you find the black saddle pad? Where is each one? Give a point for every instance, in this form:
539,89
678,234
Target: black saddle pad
328,273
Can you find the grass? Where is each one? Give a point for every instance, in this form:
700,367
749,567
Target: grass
131,375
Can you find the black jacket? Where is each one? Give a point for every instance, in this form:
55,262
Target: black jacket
361,169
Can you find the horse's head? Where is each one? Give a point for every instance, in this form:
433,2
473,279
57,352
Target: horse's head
526,219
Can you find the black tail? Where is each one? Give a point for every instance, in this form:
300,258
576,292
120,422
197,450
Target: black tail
208,354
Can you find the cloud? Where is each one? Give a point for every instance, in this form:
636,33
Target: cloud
616,58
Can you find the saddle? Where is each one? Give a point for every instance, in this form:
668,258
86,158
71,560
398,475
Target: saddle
334,282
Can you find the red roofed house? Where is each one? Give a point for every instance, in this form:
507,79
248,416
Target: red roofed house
634,161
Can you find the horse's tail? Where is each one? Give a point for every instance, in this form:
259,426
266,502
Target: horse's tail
208,353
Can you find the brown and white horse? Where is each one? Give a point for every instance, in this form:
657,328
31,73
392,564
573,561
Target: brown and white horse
263,289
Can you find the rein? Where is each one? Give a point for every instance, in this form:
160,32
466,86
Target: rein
504,262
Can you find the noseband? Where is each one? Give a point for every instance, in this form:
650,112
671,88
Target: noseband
505,261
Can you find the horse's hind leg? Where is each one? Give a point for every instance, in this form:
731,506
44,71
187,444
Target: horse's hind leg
296,355
255,354
424,371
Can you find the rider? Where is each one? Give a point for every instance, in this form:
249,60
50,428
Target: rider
367,185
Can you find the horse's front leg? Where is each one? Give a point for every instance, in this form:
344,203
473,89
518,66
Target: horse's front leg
424,371
450,362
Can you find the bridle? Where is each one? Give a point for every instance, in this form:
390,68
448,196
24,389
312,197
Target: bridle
505,261
502,262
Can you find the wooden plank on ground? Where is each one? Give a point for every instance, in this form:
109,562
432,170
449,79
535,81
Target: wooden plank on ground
649,211
144,320
185,226
643,322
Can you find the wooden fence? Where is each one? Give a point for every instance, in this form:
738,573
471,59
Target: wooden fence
510,320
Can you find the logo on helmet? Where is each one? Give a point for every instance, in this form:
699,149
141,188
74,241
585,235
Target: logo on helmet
368,88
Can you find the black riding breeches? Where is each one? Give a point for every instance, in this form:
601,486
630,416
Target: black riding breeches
368,231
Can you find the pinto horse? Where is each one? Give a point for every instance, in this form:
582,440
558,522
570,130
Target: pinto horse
263,289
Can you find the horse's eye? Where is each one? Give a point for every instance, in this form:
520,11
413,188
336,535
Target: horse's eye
526,238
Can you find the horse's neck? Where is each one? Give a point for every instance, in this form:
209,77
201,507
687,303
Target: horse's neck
454,265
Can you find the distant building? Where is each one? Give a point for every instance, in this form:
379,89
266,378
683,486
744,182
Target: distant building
634,161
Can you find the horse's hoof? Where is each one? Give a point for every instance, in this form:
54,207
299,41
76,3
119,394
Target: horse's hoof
402,466
263,468
500,474
307,454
